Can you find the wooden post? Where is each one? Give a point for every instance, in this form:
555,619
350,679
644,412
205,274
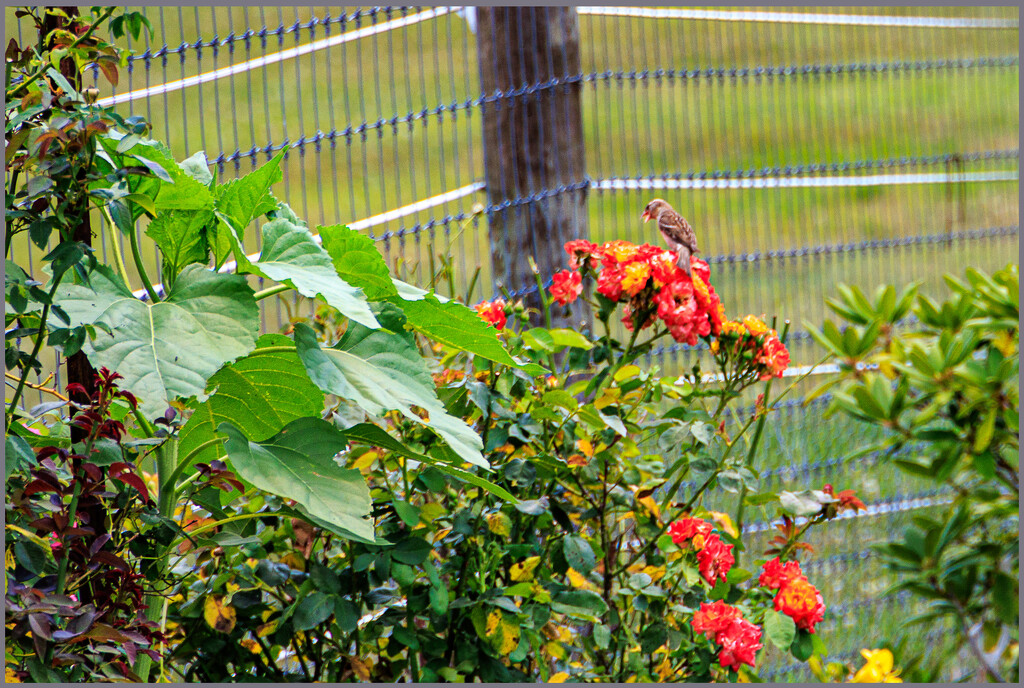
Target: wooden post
533,143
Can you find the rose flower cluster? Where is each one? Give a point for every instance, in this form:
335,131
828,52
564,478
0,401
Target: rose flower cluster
714,557
753,340
493,312
647,280
796,598
738,640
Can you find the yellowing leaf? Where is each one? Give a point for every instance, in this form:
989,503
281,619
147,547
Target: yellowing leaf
250,645
361,668
294,560
655,572
664,670
509,636
499,523
651,505
627,372
578,580
540,594
493,619
586,447
610,396
556,650
523,571
219,616
365,460
724,521
560,677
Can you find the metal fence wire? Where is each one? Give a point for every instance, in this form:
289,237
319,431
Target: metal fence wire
807,148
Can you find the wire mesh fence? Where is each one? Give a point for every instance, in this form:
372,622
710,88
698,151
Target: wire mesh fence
859,145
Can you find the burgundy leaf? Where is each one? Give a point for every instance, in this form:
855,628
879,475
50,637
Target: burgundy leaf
40,624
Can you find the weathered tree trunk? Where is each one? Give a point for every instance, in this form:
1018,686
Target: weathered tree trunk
79,370
533,143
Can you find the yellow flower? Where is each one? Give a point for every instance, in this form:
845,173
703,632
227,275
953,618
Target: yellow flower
878,668
636,278
755,326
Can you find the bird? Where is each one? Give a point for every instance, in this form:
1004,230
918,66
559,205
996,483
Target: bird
675,229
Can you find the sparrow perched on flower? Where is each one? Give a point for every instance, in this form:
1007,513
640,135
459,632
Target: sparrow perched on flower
677,231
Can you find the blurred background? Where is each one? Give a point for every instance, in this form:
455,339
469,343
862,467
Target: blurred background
807,146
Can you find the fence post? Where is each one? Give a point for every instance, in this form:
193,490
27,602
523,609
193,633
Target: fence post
529,58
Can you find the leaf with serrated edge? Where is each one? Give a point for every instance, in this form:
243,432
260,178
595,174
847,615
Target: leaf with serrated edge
291,256
259,394
180,236
357,260
243,200
166,350
298,463
383,371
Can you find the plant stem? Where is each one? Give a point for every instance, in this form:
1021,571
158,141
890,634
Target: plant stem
137,257
271,291
118,253
35,348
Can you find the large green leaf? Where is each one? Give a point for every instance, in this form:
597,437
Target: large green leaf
298,463
357,259
459,327
243,200
171,348
181,236
383,371
259,394
291,256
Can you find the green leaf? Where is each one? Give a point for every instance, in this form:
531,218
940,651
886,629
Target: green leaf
455,325
291,256
181,236
298,463
803,646
313,610
539,339
367,433
799,504
197,167
357,260
167,350
780,629
563,338
409,513
259,394
579,603
578,553
412,551
242,200
382,371
17,455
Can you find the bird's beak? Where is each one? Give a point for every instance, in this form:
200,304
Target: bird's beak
646,216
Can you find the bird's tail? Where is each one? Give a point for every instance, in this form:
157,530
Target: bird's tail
683,260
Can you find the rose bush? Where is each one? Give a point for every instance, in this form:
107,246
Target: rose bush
586,563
